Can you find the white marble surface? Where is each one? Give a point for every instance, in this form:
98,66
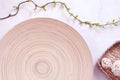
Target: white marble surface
98,40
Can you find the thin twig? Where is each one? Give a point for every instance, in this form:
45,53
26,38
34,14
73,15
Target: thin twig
113,22
17,10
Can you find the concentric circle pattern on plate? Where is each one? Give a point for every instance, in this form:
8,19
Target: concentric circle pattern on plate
44,49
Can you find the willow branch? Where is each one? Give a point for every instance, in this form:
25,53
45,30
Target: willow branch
54,3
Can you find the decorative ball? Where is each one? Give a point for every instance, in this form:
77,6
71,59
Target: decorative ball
106,62
116,68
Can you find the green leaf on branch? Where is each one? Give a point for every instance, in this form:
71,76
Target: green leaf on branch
96,24
115,24
68,9
76,17
54,3
28,0
87,22
35,7
113,20
63,4
16,7
71,14
43,7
